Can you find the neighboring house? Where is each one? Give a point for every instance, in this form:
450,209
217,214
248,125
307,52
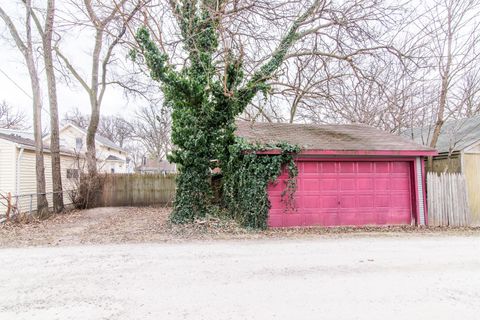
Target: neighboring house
347,175
459,152
17,170
156,166
111,158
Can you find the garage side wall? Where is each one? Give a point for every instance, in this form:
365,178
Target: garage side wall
471,170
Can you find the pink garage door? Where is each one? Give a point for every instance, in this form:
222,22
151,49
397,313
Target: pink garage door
345,193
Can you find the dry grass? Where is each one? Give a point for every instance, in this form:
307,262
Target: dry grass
134,224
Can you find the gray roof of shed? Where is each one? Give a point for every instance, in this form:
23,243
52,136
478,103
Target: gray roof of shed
352,137
455,135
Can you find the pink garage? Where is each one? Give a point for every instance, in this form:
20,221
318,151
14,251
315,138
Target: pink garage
348,175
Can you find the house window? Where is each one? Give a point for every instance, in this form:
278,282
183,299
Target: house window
112,170
72,173
78,144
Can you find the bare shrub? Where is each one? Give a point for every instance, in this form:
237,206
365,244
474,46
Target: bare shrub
87,190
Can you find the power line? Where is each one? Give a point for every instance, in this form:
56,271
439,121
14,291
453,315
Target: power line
16,84
25,92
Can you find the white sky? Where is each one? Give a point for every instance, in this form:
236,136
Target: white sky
15,86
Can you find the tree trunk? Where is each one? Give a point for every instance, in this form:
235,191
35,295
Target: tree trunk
445,74
42,203
94,104
92,129
57,197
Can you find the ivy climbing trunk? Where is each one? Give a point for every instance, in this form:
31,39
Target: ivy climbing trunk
205,97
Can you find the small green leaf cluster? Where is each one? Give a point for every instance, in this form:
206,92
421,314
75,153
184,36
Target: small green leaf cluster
247,175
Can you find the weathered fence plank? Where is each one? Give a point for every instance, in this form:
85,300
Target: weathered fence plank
137,190
447,200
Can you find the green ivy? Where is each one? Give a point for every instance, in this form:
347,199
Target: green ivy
205,97
247,175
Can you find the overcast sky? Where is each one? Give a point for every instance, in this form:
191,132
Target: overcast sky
15,82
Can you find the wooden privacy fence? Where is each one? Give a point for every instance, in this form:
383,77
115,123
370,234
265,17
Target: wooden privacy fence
137,190
447,200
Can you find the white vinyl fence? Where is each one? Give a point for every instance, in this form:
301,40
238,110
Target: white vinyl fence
447,200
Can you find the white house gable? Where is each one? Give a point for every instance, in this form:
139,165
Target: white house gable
111,158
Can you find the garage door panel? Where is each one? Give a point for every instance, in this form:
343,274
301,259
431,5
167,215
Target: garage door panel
400,183
330,219
365,184
365,167
310,184
382,183
294,219
310,167
346,167
347,184
382,167
366,201
400,167
400,201
310,201
328,168
382,201
333,193
347,201
328,202
313,219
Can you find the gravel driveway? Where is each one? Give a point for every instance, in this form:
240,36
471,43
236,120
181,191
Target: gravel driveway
411,277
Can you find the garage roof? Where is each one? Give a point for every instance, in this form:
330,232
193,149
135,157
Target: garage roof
352,137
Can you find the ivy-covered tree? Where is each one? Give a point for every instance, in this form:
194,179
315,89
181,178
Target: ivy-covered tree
206,98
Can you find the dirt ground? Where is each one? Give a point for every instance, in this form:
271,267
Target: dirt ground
150,224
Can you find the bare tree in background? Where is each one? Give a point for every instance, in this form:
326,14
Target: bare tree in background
25,46
117,129
453,35
10,119
113,127
336,47
468,94
46,33
152,128
76,117
110,25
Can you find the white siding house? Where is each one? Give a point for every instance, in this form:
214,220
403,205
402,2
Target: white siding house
17,171
111,157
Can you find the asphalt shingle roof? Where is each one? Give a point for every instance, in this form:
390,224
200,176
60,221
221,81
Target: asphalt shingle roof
27,142
17,139
353,137
455,135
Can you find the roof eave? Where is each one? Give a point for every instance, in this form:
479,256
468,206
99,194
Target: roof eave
45,150
403,153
